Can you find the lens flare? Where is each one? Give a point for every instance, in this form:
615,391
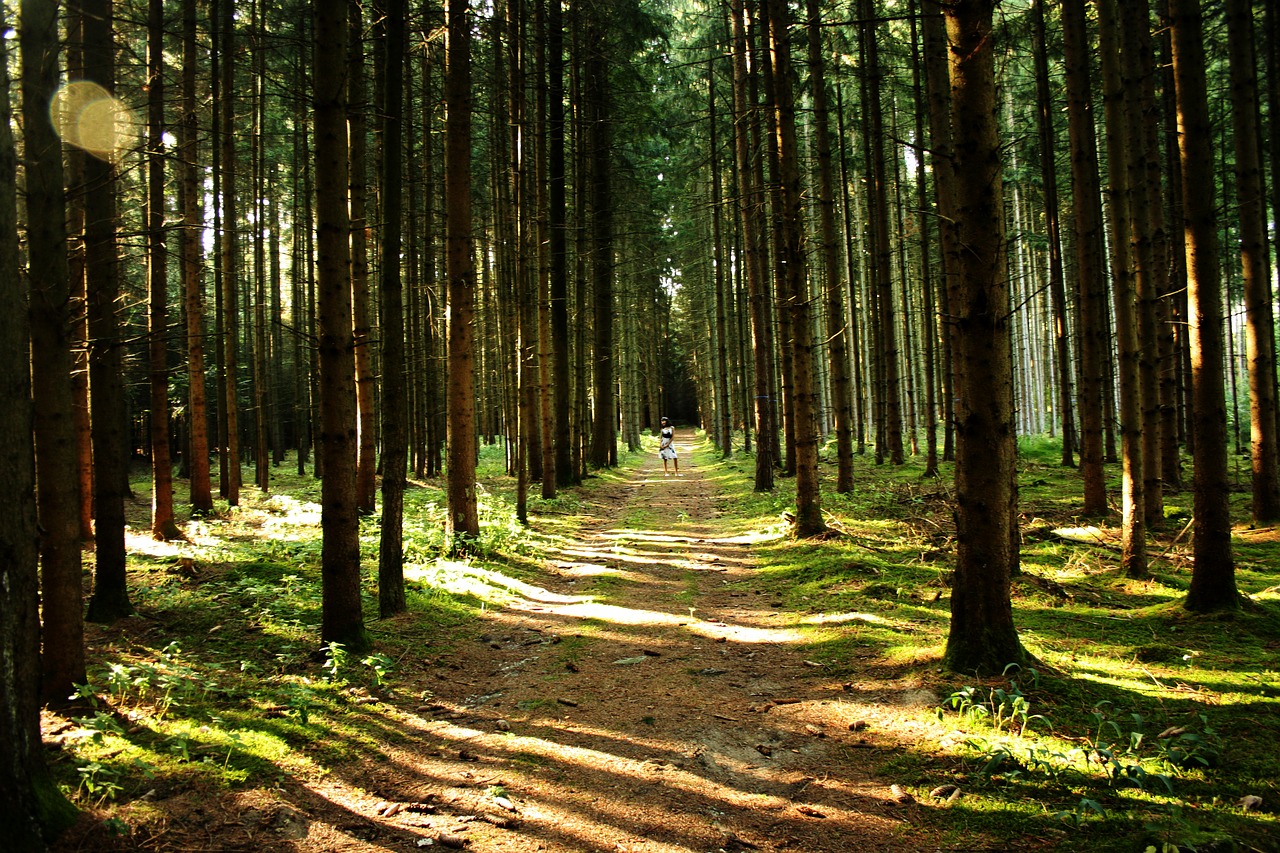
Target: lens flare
87,116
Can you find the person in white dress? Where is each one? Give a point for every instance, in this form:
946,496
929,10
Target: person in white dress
667,450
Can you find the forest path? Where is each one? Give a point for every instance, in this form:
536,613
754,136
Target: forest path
645,697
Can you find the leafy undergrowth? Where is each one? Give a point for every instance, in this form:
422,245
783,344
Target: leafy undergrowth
1140,726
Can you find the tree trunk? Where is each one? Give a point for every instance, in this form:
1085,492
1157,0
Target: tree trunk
192,282
61,589
357,118
260,349
1090,275
1045,112
1145,200
1259,317
879,200
1133,559
839,352
32,808
750,197
230,261
546,394
724,420
162,522
809,520
565,474
983,638
78,310
1213,585
464,520
342,620
110,599
604,416
938,94
395,446
929,330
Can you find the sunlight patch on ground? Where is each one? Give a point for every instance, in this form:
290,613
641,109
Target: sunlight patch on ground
668,771
584,608
842,618
461,578
1088,535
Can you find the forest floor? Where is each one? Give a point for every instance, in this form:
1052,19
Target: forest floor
645,697
639,684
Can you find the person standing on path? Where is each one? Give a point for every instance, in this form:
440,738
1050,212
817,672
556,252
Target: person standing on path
667,448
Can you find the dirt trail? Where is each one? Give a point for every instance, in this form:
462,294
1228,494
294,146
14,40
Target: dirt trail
649,695
639,703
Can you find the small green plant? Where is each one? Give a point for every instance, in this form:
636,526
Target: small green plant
100,782
1079,816
100,725
1004,709
336,662
380,665
1182,747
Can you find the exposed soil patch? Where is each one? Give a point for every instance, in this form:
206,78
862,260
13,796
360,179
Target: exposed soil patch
643,697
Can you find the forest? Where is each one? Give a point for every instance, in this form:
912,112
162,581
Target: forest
344,335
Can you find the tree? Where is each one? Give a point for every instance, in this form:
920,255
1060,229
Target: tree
464,517
229,484
982,636
32,809
1259,316
1090,276
750,200
1124,296
1213,585
604,418
162,522
192,284
557,216
830,254
62,592
357,117
890,415
395,443
110,599
1057,288
342,619
809,520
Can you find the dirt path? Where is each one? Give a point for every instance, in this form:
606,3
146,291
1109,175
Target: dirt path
636,703
649,695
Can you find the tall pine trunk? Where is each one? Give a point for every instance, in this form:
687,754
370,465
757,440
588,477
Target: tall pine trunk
32,808
358,121
1124,297
192,280
162,522
1090,275
1213,585
342,619
395,442
982,636
110,599
809,520
836,327
61,587
464,519
750,199
1259,316
229,260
